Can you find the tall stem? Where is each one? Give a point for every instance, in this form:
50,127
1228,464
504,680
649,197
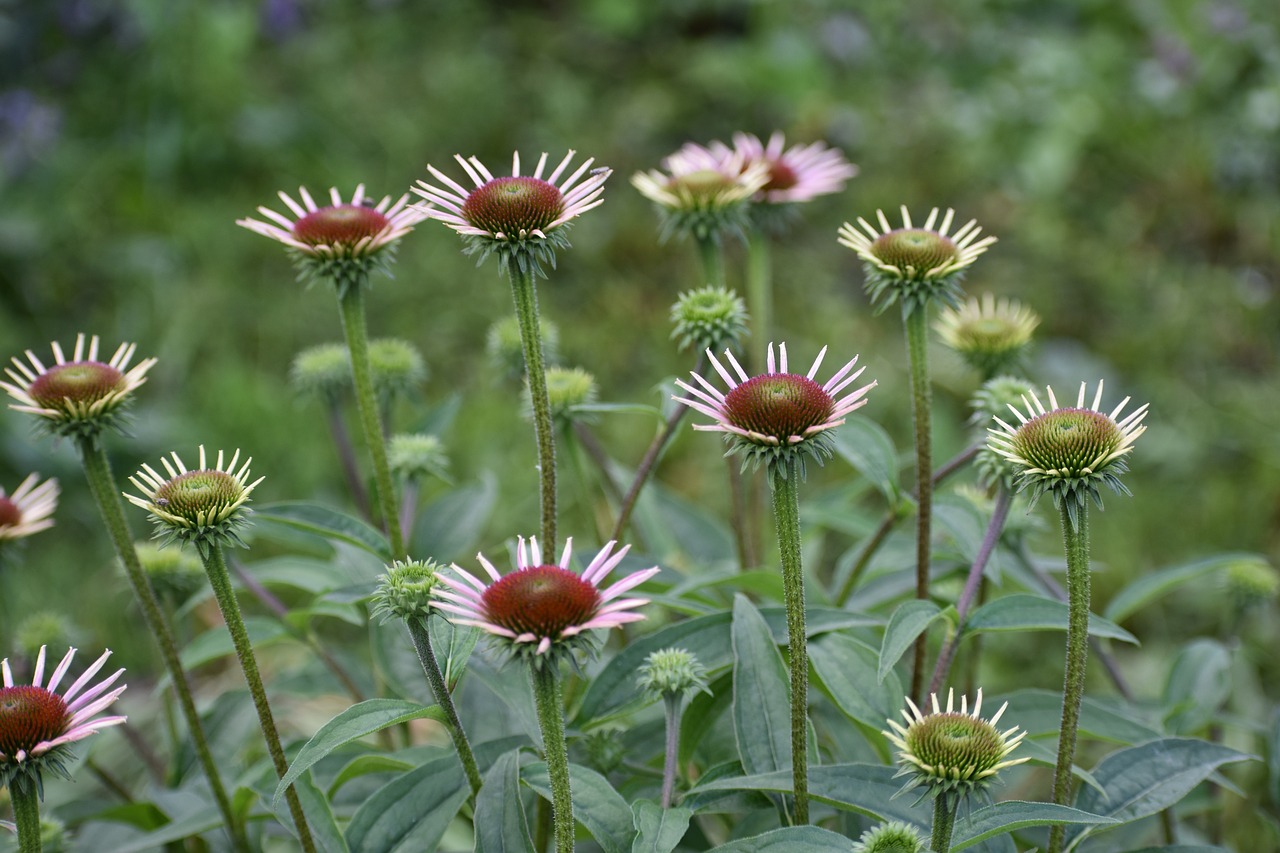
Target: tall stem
760,288
711,254
26,814
672,702
427,657
917,330
215,566
525,293
1076,540
546,694
944,820
786,514
102,484
347,458
354,327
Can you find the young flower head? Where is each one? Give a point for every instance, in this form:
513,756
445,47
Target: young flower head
991,401
1069,451
892,837
673,673
521,218
702,193
81,397
397,367
542,611
43,628
28,509
506,350
914,264
413,456
174,574
567,389
205,506
342,241
322,371
991,335
952,753
38,724
776,415
405,590
1251,582
709,318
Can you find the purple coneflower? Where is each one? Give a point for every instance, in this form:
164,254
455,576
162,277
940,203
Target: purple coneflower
28,509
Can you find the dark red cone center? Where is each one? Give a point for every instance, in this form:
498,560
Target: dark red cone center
513,206
30,716
779,405
914,247
78,381
781,176
10,515
540,600
343,225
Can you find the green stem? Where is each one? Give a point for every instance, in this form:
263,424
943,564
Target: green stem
917,331
525,293
711,255
944,820
102,484
220,579
427,656
672,702
786,513
546,695
354,327
26,814
760,288
1076,540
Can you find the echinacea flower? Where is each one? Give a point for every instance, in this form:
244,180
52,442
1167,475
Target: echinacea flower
914,264
1069,451
204,506
796,174
990,334
521,218
404,590
81,397
701,193
776,414
709,318
341,241
37,724
542,610
28,509
894,836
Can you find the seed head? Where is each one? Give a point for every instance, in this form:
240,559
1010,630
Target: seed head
568,389
322,371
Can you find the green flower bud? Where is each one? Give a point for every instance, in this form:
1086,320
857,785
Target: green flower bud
605,750
396,367
672,673
991,335
44,628
1251,582
413,456
174,573
506,350
404,591
567,389
322,371
892,837
709,318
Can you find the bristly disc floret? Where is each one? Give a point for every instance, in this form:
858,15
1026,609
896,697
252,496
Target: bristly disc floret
709,318
892,837
1069,451
990,334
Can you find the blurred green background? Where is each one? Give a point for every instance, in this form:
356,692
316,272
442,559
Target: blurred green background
1127,154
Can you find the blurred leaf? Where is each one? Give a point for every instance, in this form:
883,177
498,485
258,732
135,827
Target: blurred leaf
309,575
500,823
1039,712
176,830
1153,585
672,525
908,622
847,670
658,830
410,814
619,409
1023,612
319,816
596,805
450,526
867,447
1199,684
761,693
328,523
216,643
792,839
363,765
1012,815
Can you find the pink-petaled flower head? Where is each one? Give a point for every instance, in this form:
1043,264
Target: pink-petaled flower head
542,611
37,723
702,193
777,416
28,509
796,174
80,396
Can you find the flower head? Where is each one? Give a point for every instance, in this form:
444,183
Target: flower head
1069,451
991,401
914,264
80,397
542,611
405,590
413,456
892,837
28,509
505,347
702,193
174,574
1251,581
396,367
520,218
777,415
43,628
322,371
952,753
991,335
37,724
342,241
205,506
568,389
796,174
709,318
672,673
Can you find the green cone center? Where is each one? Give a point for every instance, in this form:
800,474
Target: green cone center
957,743
10,515
199,495
343,225
781,176
780,405
703,184
540,600
76,381
29,716
513,207
1067,441
914,248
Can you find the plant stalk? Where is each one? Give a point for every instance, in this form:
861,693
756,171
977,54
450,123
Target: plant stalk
760,287
672,701
546,694
786,514
944,821
525,293
711,254
347,459
427,656
26,814
917,333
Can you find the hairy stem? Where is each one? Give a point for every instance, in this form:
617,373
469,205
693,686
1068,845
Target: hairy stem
26,814
546,694
917,332
944,820
672,702
711,254
427,657
525,293
786,514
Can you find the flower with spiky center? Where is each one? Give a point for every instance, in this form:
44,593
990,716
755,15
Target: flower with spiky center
673,673
892,837
405,590
1069,451
396,366
523,219
914,264
568,388
952,753
506,350
709,318
776,415
205,506
28,509
990,334
38,724
796,174
543,611
991,401
702,193
413,456
81,397
322,371
342,241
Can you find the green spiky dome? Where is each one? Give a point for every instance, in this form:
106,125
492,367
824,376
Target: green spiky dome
914,248
1068,442
513,207
892,837
200,496
404,591
671,672
709,318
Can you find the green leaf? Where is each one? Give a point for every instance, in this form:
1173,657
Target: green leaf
907,623
596,805
1023,612
703,711
1153,585
867,447
216,643
1199,684
1183,848
501,826
326,522
619,409
847,671
184,827
792,839
363,765
1039,712
449,527
354,723
410,814
309,575
1013,815
761,693
658,830
320,819
453,645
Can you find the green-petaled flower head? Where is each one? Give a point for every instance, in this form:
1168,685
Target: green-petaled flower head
703,194
322,371
79,397
413,456
952,753
914,264
1069,451
44,628
672,673
205,506
396,367
1251,581
991,335
567,389
404,591
506,349
709,318
991,401
174,574
892,837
